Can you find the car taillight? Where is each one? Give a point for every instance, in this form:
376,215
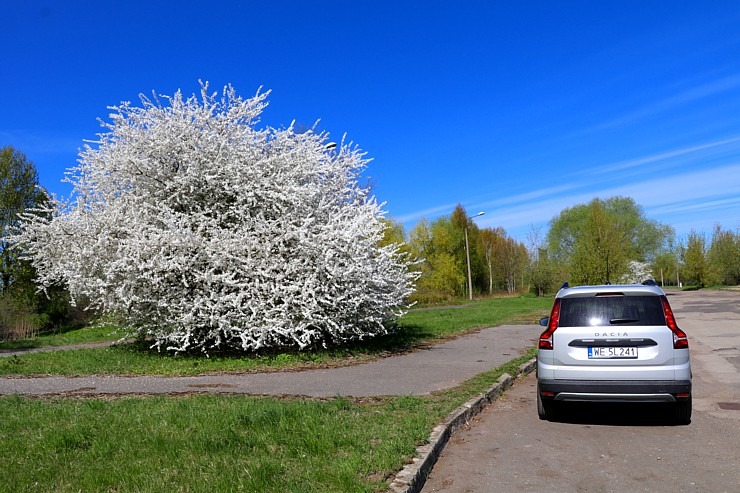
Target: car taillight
546,336
680,340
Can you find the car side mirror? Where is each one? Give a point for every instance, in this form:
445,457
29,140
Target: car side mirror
544,321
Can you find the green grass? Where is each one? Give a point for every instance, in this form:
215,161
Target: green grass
434,323
218,443
711,288
206,443
133,359
233,443
63,338
417,328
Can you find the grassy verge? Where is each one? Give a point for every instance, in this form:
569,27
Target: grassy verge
75,336
417,328
218,443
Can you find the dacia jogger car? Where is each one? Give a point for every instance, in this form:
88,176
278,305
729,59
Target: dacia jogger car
613,343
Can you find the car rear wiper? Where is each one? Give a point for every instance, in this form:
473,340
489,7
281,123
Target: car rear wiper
623,320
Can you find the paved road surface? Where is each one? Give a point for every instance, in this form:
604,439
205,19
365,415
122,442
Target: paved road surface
441,367
612,448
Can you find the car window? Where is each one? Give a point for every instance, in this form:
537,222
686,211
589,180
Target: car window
611,310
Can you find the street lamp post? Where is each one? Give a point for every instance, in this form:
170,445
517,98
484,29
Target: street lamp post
467,255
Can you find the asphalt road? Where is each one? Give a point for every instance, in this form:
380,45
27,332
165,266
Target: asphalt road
440,367
610,448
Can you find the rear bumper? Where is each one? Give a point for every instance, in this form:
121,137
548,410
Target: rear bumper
614,390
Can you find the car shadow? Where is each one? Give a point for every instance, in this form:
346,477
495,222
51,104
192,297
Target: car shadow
616,414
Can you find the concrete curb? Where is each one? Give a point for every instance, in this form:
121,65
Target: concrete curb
411,478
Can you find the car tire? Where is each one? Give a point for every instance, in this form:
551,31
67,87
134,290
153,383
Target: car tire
682,412
546,410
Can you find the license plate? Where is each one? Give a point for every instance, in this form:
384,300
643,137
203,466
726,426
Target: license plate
612,352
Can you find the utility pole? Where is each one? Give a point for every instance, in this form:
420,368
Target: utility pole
467,255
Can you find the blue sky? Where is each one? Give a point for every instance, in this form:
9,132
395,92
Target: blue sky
518,109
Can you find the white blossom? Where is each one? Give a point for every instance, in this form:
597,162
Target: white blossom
637,272
202,231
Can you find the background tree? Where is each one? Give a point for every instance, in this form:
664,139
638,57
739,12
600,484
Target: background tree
637,272
393,234
462,221
541,273
665,267
204,232
723,257
23,310
514,262
19,192
493,240
498,262
597,240
694,256
603,250
442,269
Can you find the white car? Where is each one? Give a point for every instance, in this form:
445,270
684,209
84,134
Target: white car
613,343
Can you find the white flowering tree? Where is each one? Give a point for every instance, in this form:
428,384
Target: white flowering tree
205,232
637,272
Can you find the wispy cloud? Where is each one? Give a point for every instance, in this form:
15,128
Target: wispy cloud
474,206
632,163
691,206
525,198
703,185
703,91
425,213
706,191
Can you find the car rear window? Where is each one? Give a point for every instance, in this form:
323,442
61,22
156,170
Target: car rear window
611,310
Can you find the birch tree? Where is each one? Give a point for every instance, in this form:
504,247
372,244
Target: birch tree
203,231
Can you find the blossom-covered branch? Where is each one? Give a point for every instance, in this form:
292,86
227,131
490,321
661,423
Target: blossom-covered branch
203,231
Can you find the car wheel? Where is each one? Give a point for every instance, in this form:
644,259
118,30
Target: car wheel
546,410
682,412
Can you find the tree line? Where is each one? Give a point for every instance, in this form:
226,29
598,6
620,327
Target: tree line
612,240
498,263
606,240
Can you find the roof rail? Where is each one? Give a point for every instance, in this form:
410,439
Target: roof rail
649,282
